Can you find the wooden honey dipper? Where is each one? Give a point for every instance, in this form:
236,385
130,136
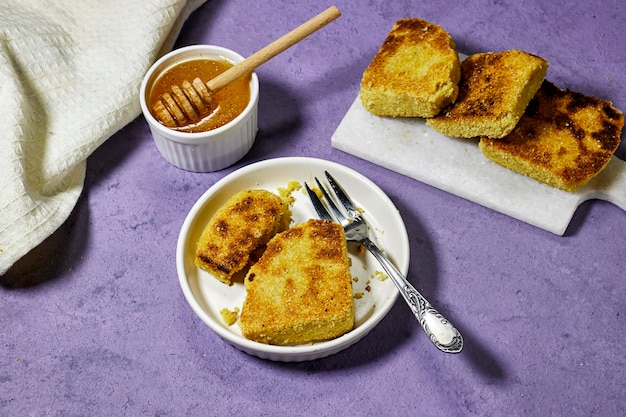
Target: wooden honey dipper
191,101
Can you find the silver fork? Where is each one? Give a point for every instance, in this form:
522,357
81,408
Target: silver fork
439,330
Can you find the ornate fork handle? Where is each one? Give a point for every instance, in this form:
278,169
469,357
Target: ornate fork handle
439,330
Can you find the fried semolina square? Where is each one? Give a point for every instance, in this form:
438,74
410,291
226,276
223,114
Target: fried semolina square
415,73
246,222
564,138
495,89
300,290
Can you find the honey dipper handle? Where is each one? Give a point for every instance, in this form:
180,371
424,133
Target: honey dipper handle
270,51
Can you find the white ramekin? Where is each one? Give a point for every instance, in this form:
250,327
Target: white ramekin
203,151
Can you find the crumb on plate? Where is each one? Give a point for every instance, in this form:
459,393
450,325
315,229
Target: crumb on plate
286,192
230,316
380,275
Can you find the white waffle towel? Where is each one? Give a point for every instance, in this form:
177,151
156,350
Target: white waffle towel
70,73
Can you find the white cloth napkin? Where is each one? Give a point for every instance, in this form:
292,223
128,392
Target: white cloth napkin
70,73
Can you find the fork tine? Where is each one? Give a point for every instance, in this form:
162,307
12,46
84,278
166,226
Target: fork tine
338,214
317,204
342,196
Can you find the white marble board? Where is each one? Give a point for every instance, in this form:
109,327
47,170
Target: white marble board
408,146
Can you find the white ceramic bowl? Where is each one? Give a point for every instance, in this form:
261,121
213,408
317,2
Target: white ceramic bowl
207,296
203,151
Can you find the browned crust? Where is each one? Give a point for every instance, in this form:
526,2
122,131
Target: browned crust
415,73
495,89
300,291
564,138
247,221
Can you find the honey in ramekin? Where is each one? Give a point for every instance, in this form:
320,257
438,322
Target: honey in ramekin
227,104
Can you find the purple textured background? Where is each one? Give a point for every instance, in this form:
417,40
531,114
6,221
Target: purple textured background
93,322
